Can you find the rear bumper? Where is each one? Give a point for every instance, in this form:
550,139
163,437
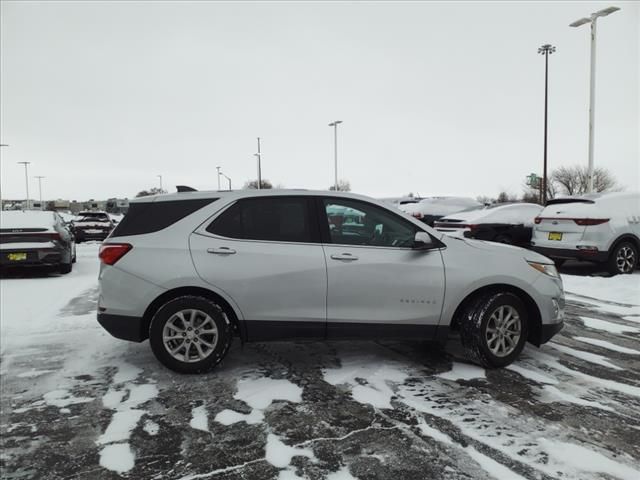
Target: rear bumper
549,330
123,327
41,257
571,254
84,236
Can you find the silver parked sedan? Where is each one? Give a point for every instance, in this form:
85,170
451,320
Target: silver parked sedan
191,270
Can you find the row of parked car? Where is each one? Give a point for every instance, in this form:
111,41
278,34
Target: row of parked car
44,238
602,228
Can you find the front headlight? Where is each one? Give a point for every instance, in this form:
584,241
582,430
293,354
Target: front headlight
545,268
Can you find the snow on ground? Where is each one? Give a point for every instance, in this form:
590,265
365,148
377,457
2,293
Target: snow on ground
77,403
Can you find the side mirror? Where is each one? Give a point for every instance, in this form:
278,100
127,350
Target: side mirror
422,241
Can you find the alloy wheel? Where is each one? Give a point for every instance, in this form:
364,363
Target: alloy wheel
190,335
503,330
625,259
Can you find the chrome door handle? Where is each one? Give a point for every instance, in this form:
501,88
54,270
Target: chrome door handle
221,251
344,256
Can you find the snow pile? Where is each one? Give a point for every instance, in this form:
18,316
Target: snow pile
116,454
259,393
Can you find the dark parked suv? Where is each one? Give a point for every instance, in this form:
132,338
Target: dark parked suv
34,238
92,226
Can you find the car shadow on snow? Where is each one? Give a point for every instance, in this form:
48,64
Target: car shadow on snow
29,272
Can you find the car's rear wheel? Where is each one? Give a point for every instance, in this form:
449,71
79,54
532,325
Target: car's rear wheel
190,334
494,328
65,268
623,258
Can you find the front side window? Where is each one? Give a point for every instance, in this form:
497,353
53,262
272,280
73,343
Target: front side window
277,219
357,223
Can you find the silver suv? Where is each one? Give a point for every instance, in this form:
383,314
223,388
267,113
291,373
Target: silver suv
189,271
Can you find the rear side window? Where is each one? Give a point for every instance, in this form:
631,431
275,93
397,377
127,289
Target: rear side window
278,219
154,216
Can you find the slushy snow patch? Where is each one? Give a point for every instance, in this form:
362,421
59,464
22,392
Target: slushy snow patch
259,393
279,455
62,398
587,356
623,289
587,460
118,458
607,345
199,419
606,326
377,391
463,371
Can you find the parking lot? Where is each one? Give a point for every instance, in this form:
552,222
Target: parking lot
77,403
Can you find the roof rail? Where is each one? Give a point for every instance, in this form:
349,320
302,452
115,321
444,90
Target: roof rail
185,188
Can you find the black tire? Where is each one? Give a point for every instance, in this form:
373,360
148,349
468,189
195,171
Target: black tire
204,306
65,268
623,258
473,325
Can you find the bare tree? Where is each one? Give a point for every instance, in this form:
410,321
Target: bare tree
253,184
343,186
575,180
151,191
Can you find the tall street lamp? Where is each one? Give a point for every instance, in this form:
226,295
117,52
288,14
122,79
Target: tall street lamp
335,151
259,157
545,50
592,82
160,178
26,180
218,169
228,179
40,177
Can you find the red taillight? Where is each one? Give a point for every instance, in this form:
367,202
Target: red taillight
586,222
110,253
473,227
537,220
416,214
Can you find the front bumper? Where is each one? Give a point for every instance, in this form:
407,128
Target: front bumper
124,327
549,330
571,254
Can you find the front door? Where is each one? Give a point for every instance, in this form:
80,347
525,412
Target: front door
378,285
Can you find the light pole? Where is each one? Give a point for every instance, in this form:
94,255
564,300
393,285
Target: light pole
592,82
218,169
227,179
26,180
160,178
40,177
335,151
545,50
259,156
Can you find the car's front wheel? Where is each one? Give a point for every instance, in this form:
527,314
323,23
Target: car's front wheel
190,334
623,258
494,328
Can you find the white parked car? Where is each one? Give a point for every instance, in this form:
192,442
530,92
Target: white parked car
510,223
190,270
430,209
601,227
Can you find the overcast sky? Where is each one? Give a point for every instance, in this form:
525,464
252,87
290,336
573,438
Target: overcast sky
435,98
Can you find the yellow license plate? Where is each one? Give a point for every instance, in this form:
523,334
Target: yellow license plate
16,257
555,236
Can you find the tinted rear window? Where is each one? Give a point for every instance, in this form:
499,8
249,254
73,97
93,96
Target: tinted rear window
559,201
154,216
279,219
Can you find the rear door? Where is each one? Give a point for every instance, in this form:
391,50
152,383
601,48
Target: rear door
556,226
264,252
378,285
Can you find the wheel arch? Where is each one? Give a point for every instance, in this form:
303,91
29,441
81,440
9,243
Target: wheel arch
153,307
624,237
535,318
